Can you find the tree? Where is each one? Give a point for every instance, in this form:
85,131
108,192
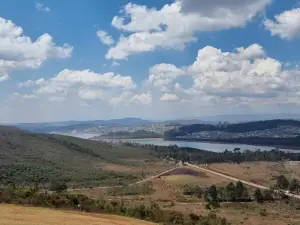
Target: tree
258,196
58,186
231,192
175,218
194,217
294,185
194,190
268,195
282,182
213,193
241,192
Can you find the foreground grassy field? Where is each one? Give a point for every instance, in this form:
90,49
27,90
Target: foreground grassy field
19,215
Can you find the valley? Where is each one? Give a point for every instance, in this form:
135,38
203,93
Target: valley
140,181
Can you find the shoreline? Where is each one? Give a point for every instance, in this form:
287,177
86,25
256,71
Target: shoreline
145,139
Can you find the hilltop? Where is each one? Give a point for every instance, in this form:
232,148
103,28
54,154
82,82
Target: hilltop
28,157
79,125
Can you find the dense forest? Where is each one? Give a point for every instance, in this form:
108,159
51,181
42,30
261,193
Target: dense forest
26,158
232,128
202,156
129,135
241,128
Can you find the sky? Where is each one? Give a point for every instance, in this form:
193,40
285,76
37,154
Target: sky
158,59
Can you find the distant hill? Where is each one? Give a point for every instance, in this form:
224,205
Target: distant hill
28,157
248,118
240,128
79,125
185,122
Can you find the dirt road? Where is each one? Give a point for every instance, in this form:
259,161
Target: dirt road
236,179
119,186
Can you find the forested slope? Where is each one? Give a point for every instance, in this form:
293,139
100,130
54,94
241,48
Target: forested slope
27,157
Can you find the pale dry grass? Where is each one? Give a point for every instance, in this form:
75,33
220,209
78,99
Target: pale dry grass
19,215
147,168
264,173
203,180
246,213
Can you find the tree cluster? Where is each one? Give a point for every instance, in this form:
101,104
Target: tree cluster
202,156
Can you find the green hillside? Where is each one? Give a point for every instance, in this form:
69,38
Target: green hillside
28,157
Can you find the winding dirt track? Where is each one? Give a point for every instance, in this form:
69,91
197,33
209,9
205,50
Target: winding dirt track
202,169
236,179
139,182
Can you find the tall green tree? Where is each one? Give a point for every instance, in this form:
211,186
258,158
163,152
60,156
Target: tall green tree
231,192
258,196
294,185
282,182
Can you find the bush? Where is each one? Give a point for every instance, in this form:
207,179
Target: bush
263,212
193,190
58,186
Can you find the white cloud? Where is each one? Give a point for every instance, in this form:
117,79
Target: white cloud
3,77
242,77
128,98
85,84
169,97
171,28
31,83
143,98
18,51
41,7
30,96
114,63
105,38
247,9
286,24
89,94
232,74
163,75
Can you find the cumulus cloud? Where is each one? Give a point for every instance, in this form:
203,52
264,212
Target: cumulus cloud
243,76
245,8
91,94
128,98
286,24
41,7
18,51
105,38
3,77
85,84
222,82
169,97
173,27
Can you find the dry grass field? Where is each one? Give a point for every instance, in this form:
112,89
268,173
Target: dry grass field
168,193
264,173
183,176
19,215
248,213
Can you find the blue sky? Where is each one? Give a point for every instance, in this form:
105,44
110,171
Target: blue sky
154,59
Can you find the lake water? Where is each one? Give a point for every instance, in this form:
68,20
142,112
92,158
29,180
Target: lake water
214,147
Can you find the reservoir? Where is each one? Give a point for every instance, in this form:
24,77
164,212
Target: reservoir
214,147
209,146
